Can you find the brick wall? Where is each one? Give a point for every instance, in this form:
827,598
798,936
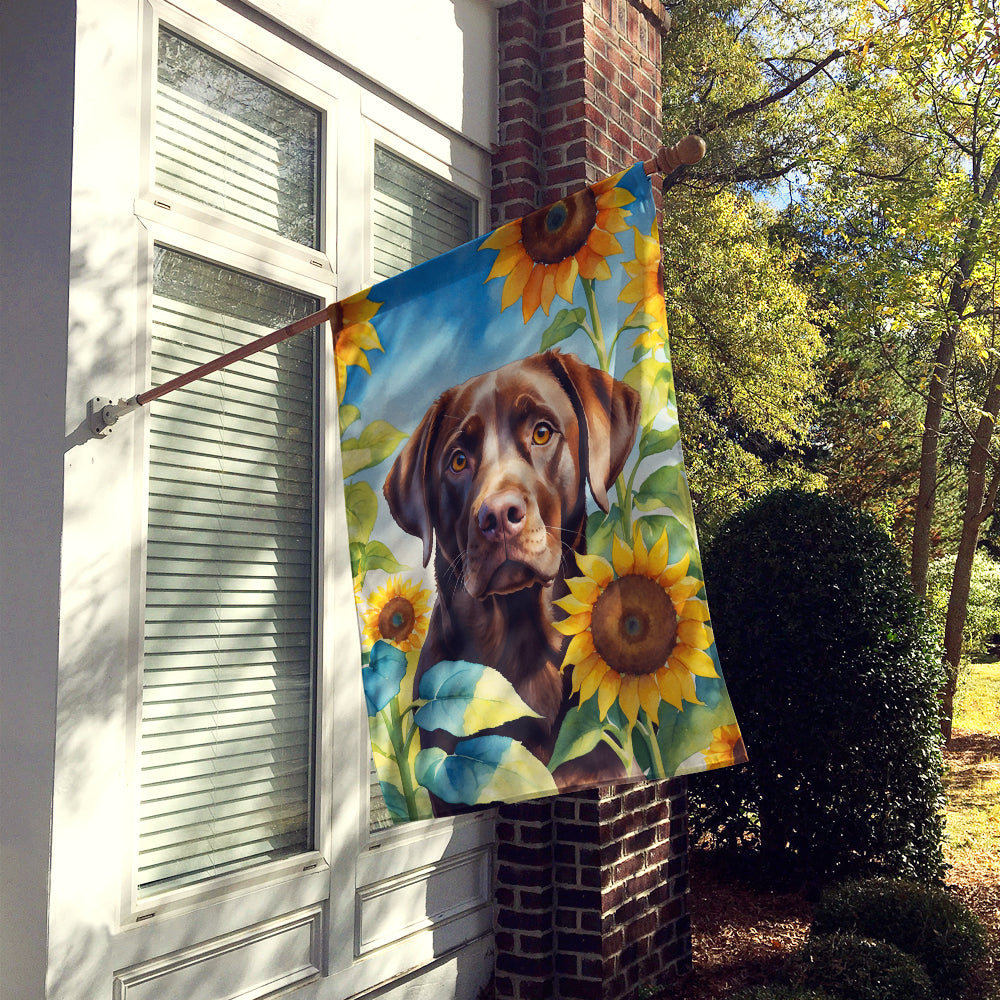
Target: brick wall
579,96
591,889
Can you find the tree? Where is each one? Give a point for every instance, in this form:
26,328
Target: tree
914,185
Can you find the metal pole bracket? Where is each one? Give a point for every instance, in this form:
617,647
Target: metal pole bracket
103,413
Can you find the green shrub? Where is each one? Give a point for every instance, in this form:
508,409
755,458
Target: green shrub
982,619
925,922
857,968
782,993
834,673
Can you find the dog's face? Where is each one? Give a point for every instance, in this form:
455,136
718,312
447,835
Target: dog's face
497,469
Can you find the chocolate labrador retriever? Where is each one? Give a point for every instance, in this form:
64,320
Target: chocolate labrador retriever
496,471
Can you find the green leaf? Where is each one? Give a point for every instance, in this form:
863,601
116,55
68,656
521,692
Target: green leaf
362,509
580,732
375,444
378,556
653,441
566,323
465,698
600,529
348,415
666,487
484,769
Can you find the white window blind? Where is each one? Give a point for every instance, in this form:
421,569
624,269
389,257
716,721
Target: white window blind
417,216
228,659
228,140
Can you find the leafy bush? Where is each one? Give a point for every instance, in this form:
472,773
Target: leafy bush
857,968
782,993
925,922
982,619
834,673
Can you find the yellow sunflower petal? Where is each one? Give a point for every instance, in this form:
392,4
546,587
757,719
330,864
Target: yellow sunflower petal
671,574
615,197
695,609
531,297
688,587
603,243
515,282
658,556
640,557
573,605
688,692
579,648
622,557
573,625
503,237
585,589
693,634
607,691
566,275
596,567
548,289
628,698
593,679
583,670
670,688
505,261
649,696
696,661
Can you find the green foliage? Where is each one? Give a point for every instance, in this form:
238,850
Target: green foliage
833,673
782,992
857,968
926,922
983,611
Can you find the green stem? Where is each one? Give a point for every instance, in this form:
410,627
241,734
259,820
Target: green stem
649,734
400,748
595,318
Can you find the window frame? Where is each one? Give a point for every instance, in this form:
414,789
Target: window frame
177,223
350,866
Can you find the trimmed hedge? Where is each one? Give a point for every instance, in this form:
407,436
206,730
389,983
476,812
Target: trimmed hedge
782,993
834,673
856,968
924,921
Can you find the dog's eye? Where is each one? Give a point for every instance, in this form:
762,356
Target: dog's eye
459,461
542,434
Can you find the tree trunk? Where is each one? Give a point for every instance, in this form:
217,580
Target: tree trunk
979,500
920,553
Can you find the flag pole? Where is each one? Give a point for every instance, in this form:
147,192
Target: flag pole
103,413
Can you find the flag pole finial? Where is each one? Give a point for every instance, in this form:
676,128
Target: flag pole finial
687,152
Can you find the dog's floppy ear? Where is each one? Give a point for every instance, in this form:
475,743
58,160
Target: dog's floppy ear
407,487
608,412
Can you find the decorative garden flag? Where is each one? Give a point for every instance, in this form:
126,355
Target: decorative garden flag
528,582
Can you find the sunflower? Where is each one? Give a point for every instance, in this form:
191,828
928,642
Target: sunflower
638,630
397,613
727,748
353,334
543,253
646,290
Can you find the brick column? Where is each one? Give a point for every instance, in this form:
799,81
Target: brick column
591,889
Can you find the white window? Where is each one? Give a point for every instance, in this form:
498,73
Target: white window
229,649
276,183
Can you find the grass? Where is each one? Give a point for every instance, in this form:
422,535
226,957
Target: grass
973,784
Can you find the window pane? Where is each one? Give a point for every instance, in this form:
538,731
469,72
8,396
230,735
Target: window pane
417,215
228,659
228,140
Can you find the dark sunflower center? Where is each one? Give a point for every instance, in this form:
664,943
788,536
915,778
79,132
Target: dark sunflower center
634,625
552,234
396,619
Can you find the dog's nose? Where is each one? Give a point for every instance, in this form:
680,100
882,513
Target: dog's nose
501,515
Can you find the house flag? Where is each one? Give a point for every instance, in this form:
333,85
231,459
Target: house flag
526,571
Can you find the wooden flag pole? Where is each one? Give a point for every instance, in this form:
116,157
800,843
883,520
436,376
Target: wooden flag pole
103,413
